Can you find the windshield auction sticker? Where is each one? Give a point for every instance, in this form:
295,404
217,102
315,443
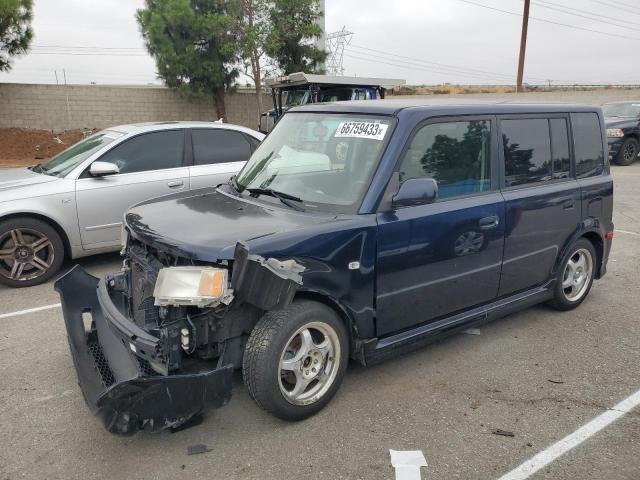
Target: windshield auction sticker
371,130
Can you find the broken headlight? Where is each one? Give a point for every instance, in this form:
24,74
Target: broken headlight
196,286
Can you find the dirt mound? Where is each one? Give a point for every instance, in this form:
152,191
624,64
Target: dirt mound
25,146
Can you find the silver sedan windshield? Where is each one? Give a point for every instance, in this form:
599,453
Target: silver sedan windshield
320,160
65,161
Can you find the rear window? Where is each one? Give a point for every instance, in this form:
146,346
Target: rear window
219,146
527,151
535,150
587,141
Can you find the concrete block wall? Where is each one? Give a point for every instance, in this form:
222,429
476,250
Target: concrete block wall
62,107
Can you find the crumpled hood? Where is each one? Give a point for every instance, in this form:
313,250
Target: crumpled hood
21,177
206,224
620,122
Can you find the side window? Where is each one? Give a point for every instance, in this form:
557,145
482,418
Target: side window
455,154
527,151
560,148
587,143
214,145
150,151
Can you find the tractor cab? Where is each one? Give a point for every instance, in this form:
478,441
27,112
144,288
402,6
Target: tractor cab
302,88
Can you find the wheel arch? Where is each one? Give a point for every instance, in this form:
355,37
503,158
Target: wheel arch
49,221
333,304
598,244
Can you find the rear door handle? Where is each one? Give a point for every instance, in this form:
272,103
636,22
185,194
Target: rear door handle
489,222
175,184
568,205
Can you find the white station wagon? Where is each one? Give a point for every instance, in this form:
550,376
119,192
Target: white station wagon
73,205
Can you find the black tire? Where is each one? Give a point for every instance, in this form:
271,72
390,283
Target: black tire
562,298
39,263
628,152
267,346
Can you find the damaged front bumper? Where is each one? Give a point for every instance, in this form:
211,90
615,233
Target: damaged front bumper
110,354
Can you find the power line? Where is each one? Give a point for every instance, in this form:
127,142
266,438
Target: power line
408,66
429,62
99,54
550,7
617,5
589,13
84,46
575,27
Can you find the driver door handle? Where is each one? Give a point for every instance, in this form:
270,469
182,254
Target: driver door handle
175,184
489,222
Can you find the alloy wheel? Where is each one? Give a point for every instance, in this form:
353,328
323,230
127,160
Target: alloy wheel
629,153
25,254
577,275
309,363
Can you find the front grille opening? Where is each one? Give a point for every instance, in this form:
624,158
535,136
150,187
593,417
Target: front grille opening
145,368
101,364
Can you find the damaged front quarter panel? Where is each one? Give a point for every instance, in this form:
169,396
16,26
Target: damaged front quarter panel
268,284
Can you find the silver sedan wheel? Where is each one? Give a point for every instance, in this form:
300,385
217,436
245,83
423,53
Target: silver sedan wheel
577,275
309,363
25,254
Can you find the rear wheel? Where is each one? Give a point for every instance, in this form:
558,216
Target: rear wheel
295,359
628,152
575,276
31,252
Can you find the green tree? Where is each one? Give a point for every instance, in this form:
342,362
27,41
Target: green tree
254,30
194,45
15,30
291,41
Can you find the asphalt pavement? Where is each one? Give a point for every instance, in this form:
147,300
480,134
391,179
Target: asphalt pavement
539,374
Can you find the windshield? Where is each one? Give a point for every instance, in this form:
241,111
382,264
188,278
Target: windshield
621,109
65,161
296,97
324,161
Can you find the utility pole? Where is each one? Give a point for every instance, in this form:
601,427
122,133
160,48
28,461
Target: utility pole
523,44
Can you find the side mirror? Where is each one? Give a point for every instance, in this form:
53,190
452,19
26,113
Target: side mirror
416,191
102,169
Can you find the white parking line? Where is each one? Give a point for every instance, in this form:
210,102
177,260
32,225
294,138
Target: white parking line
628,232
571,441
29,310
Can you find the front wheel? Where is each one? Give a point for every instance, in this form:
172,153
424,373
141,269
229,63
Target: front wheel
575,276
295,359
31,252
628,152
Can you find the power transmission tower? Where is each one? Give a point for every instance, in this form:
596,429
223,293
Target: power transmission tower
523,45
336,42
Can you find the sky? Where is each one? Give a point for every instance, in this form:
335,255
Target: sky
421,41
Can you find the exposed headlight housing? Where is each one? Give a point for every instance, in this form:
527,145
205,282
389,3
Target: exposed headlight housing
615,133
195,286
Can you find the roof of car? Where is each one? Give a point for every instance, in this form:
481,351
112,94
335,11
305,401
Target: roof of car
156,126
623,102
457,106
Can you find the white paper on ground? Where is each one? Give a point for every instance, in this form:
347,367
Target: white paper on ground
407,463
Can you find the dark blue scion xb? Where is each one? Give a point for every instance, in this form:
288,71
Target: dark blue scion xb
356,230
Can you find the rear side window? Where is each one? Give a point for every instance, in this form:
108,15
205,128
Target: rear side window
151,151
535,150
527,151
219,146
455,154
587,143
560,148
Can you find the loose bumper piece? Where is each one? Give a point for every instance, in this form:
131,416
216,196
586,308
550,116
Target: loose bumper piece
118,385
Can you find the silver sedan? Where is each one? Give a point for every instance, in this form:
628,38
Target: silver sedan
73,205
